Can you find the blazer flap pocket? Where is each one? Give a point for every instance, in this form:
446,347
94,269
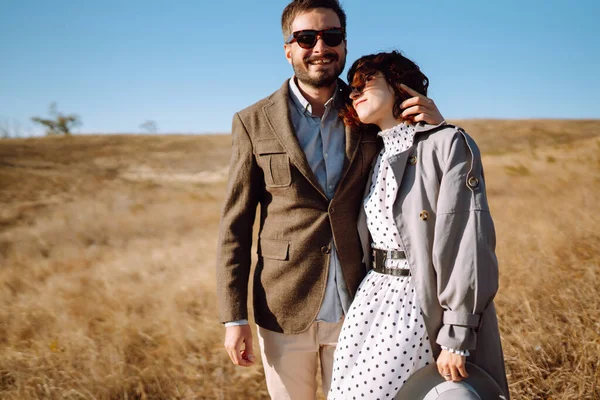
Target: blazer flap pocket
269,146
274,249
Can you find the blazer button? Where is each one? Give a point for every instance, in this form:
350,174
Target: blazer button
325,250
424,215
412,160
473,182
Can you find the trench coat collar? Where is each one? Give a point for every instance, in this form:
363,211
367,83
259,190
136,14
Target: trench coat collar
422,127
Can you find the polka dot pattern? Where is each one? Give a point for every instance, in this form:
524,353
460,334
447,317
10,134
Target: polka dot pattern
383,340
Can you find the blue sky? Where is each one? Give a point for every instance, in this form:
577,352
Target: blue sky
190,65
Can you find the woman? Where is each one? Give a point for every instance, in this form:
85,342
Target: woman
428,236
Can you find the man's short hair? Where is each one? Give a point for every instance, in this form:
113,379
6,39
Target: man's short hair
297,7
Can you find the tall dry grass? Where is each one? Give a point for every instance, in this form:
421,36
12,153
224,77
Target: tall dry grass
107,254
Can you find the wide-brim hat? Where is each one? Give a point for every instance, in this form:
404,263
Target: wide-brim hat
428,384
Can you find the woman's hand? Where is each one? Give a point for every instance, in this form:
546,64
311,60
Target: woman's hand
452,366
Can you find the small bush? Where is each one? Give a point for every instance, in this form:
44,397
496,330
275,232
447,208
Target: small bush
517,170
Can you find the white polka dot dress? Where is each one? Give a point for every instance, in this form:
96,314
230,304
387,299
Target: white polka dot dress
383,340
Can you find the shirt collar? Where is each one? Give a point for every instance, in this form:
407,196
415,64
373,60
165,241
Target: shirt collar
303,105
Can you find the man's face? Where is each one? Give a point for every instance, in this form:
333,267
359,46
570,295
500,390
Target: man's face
321,65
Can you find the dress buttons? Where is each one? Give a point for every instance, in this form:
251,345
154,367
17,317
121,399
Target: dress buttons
325,250
473,182
412,160
424,215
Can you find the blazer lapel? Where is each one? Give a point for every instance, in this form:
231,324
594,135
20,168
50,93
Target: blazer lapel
278,116
353,137
362,227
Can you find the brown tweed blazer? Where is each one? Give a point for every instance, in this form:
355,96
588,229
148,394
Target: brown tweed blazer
297,221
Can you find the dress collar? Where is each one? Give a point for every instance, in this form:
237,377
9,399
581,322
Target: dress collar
397,138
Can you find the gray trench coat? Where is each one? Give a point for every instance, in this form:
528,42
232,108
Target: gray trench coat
444,223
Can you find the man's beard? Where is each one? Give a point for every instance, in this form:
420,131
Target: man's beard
323,78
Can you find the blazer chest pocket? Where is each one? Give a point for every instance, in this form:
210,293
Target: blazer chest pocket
274,249
275,163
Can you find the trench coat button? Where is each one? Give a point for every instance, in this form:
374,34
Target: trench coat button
473,182
424,215
325,250
412,160
331,210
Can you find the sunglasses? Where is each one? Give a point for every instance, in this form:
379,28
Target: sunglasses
307,39
360,84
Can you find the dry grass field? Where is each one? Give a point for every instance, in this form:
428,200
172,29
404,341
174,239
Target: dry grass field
107,264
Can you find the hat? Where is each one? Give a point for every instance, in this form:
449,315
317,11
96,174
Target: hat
427,384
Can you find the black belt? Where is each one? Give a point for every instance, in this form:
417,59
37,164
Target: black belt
378,264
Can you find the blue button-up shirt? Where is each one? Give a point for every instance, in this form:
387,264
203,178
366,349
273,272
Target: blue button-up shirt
323,140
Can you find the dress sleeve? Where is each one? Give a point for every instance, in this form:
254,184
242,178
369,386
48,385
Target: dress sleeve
464,353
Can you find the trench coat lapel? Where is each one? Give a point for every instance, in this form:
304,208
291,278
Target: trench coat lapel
398,165
278,115
398,162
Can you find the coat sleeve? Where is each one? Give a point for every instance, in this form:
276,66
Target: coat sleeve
464,245
235,232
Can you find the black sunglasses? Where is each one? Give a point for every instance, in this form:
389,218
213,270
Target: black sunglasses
307,39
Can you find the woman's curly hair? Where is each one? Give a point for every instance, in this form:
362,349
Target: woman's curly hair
396,70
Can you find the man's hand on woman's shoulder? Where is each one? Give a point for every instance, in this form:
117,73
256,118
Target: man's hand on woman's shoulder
420,108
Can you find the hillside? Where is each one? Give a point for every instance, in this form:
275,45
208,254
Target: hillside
107,263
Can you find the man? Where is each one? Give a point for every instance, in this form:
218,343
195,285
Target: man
292,154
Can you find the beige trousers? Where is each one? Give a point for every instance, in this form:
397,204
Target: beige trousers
291,361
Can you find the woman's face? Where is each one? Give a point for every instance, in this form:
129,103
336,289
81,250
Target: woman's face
375,102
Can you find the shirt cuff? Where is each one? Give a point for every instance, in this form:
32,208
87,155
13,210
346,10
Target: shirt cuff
236,323
464,353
